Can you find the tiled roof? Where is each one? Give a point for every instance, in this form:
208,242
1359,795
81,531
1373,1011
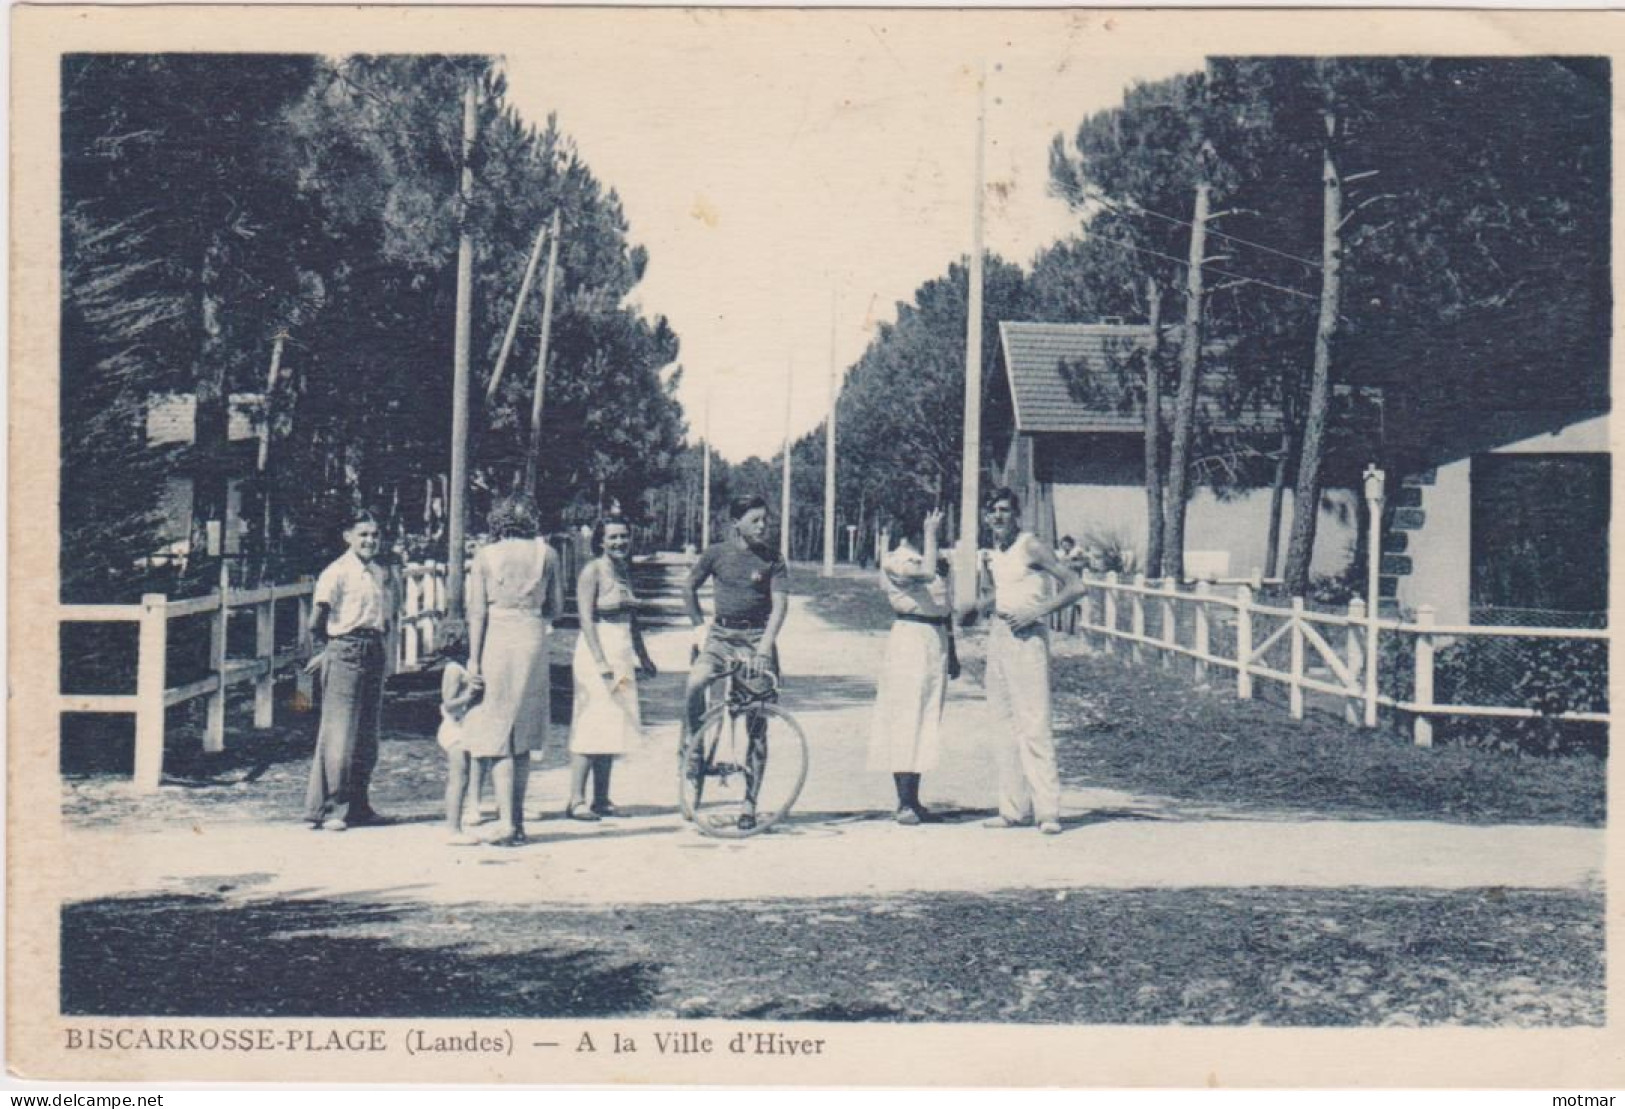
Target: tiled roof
172,417
1040,357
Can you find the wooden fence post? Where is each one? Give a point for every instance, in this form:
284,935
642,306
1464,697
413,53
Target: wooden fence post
305,683
1137,618
265,653
436,602
1202,591
1170,622
1423,696
214,731
1373,630
411,606
1109,621
1354,652
151,682
1295,684
1244,643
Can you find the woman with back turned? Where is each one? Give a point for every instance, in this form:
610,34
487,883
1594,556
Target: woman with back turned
514,593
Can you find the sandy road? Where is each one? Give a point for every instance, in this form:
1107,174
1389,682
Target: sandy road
840,841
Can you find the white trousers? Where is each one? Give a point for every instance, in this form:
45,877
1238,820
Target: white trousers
1023,740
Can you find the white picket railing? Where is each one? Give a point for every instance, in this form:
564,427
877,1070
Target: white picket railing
1335,654
423,595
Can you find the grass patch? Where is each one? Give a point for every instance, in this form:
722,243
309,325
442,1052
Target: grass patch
1153,731
1283,957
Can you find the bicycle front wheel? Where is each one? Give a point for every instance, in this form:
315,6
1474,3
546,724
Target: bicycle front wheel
743,772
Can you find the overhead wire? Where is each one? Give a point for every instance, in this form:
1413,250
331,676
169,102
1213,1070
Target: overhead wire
1208,268
1139,209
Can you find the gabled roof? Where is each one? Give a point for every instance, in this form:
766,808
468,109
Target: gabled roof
1039,359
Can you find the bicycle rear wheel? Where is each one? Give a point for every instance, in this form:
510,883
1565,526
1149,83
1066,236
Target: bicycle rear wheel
721,778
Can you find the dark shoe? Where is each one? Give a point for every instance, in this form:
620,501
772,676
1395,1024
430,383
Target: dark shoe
747,821
579,810
606,808
924,815
370,819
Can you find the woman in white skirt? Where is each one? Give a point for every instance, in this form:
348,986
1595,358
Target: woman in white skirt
905,732
514,593
609,659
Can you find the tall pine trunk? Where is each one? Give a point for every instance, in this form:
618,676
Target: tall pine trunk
211,429
1290,386
1190,364
1153,432
1283,466
1306,497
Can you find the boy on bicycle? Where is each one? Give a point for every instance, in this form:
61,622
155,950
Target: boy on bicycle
750,599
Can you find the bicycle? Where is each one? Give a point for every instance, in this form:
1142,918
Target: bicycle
728,786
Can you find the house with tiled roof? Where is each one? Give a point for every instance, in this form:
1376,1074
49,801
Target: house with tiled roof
1069,417
1497,508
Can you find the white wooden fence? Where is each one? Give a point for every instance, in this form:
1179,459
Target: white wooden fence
423,605
1334,654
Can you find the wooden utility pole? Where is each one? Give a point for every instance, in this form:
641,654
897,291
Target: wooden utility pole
1306,498
263,464
784,497
1153,431
965,581
457,511
705,475
1190,367
539,398
513,318
829,450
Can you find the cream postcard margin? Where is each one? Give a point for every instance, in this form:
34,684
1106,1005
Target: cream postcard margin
875,1053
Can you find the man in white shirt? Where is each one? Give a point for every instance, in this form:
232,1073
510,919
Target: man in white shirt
353,610
1016,589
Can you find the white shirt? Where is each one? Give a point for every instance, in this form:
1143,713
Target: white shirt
906,593
357,595
1017,584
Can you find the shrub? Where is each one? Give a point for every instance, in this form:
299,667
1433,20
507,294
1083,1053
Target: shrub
1551,676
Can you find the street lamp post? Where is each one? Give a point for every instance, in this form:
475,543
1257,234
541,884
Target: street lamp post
1375,480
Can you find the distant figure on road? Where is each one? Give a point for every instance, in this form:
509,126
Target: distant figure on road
904,733
750,602
352,612
609,659
514,593
1016,589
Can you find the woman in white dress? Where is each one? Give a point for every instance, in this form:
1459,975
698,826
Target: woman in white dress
905,733
514,593
609,659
